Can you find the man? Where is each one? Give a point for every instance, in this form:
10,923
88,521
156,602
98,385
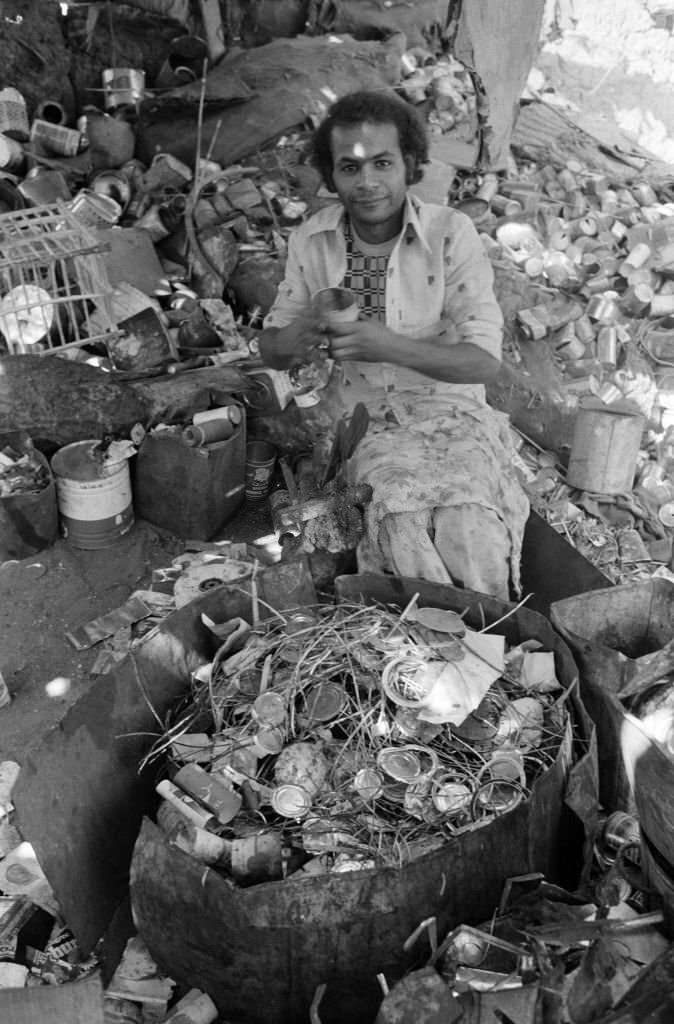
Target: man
446,505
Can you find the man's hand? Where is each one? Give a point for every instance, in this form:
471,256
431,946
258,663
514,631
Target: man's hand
284,348
367,341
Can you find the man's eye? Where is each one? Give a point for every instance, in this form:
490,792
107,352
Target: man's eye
348,168
383,164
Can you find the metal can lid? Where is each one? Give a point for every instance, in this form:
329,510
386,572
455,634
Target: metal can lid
450,796
269,708
268,741
368,783
291,801
400,764
666,513
325,701
297,621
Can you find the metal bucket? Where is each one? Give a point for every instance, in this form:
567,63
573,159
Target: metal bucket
94,499
605,447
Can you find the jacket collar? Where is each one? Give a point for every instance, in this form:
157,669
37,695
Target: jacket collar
330,218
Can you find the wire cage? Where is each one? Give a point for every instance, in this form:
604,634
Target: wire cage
54,289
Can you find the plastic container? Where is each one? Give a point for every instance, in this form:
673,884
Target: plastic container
605,447
94,499
260,462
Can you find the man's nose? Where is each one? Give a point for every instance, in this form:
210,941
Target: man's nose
367,175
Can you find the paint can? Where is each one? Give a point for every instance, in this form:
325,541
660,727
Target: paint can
605,447
93,497
260,462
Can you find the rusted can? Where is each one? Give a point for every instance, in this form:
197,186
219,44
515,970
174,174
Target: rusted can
583,226
644,194
95,210
567,180
51,111
607,346
152,221
233,413
195,1008
42,186
596,184
257,858
13,114
638,255
196,436
11,155
605,448
584,329
123,86
636,299
114,185
56,138
504,206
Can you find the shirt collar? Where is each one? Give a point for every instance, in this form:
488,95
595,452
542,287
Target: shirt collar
331,217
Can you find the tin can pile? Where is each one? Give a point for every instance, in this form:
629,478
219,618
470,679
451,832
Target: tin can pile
21,472
354,737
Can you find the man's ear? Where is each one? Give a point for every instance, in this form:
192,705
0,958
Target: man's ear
410,169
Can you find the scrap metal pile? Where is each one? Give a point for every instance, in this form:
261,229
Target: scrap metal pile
596,256
354,737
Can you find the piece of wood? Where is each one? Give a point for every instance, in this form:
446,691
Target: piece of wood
57,401
486,31
213,28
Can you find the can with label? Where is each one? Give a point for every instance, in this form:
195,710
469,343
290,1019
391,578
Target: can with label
56,138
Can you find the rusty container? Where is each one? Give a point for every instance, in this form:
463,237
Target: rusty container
606,441
261,951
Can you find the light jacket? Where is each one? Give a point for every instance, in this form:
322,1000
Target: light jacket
437,270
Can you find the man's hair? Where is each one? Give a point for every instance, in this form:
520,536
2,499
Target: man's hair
373,108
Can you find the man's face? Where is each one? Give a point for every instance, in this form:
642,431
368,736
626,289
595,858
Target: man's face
370,179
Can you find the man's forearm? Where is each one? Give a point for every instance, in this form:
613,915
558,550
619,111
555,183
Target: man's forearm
455,363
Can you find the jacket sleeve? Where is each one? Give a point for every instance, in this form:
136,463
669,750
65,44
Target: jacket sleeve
470,303
293,294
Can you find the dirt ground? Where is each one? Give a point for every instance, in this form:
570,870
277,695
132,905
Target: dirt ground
45,596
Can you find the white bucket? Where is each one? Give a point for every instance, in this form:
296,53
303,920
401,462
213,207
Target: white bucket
94,498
